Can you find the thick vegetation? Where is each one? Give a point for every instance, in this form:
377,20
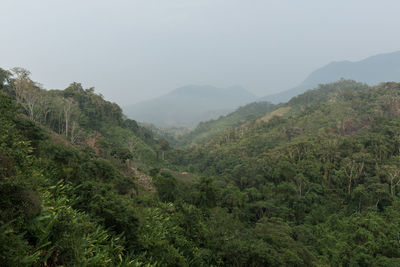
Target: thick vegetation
206,130
321,180
316,185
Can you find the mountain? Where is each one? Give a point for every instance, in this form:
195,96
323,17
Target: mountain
188,105
263,111
372,70
319,179
311,182
206,130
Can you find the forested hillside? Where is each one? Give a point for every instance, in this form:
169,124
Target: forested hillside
79,114
319,183
312,182
208,129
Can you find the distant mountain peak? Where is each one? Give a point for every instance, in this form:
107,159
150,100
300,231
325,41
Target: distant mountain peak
371,70
190,104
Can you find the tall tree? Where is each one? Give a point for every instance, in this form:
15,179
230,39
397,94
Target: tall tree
393,173
68,108
27,92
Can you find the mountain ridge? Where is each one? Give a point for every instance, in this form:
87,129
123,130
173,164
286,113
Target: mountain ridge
314,183
188,105
371,70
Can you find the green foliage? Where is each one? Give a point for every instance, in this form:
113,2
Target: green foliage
166,186
79,114
38,225
316,185
334,151
206,130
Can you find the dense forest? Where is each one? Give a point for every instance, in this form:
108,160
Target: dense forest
311,182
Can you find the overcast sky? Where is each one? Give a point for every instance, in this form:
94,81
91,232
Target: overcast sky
132,50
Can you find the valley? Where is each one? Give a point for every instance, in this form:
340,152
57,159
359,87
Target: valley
310,182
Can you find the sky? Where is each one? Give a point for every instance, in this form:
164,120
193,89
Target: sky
133,50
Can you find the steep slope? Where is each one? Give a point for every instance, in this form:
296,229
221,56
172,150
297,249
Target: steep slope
60,203
208,129
187,106
314,182
372,70
263,111
66,204
325,173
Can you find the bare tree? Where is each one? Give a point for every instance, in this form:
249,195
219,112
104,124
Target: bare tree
27,93
353,169
44,106
68,109
20,82
131,144
393,173
75,132
31,99
57,107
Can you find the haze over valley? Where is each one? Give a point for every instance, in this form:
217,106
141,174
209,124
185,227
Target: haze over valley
199,133
132,51
372,70
189,105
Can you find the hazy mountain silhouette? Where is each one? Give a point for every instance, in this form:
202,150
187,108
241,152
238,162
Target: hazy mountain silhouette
372,70
188,105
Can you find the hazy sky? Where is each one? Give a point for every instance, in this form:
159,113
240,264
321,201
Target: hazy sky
131,50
